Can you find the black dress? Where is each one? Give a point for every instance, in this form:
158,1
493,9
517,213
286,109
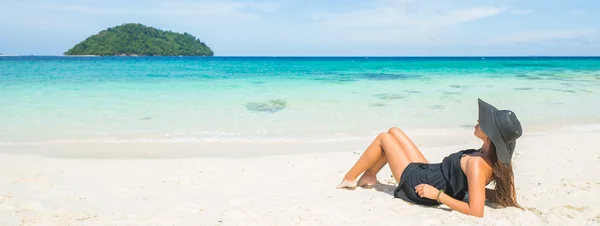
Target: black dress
446,175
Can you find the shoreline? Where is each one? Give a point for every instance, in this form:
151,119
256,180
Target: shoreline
449,141
442,136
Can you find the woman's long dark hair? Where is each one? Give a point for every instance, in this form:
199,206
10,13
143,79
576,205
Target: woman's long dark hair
506,194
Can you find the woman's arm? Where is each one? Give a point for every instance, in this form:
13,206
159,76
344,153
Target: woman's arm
477,180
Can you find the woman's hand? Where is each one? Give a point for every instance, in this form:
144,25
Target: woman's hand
427,191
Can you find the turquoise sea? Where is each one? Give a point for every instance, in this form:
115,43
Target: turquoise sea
188,99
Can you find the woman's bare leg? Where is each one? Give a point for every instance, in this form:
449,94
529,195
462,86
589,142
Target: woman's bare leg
369,177
385,146
408,146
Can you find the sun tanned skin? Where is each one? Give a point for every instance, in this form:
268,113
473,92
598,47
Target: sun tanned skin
396,149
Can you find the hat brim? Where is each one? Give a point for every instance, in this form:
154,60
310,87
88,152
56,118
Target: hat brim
488,124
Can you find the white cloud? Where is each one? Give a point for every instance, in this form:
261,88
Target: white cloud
547,35
399,22
470,14
393,15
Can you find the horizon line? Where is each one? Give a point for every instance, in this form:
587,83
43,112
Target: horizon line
307,56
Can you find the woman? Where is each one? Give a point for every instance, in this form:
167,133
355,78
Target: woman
447,182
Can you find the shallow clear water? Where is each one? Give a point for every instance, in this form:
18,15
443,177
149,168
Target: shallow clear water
187,99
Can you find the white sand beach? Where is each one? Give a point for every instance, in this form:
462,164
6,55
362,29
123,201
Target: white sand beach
556,176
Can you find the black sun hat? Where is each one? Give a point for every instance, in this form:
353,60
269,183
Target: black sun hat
502,127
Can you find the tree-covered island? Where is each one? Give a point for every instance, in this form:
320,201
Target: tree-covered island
136,39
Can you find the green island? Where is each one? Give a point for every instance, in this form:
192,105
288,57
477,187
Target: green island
134,39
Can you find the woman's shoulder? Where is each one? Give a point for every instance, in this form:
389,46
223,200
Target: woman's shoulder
477,165
478,161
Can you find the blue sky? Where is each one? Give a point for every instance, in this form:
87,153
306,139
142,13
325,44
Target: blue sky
318,27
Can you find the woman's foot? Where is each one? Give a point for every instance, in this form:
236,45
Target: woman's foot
367,181
347,184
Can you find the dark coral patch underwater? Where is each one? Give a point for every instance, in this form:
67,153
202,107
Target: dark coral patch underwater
270,106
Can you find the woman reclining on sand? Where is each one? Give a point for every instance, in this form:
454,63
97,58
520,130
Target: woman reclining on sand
447,182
